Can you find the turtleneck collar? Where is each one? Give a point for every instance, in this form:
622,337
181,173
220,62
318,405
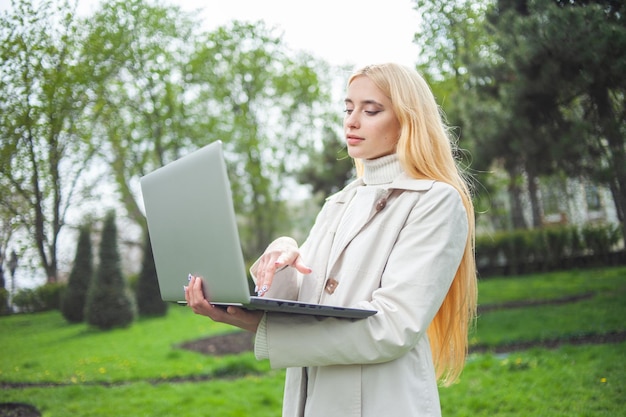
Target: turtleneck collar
381,170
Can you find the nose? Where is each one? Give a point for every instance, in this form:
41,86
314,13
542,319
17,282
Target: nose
351,120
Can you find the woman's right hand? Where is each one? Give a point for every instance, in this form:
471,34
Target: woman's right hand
282,252
235,316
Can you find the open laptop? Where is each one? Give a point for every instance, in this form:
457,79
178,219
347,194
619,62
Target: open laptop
193,230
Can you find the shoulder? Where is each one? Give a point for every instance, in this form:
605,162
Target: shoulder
430,196
345,193
430,188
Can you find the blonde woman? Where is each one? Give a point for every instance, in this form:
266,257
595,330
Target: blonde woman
398,239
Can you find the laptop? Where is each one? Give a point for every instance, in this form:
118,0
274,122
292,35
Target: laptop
193,230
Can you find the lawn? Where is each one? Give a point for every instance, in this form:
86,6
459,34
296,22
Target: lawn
141,371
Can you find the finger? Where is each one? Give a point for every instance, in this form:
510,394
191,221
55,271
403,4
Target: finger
196,295
245,319
301,267
265,274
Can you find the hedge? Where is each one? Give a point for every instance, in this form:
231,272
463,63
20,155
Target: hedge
550,248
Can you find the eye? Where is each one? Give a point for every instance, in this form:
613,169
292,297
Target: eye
372,112
348,111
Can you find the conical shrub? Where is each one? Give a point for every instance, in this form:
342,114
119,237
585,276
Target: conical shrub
149,301
75,297
109,303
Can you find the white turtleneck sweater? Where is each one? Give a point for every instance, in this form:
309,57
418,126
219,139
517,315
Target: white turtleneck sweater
376,174
381,170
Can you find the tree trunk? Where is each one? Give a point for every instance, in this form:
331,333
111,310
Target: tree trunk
535,201
616,153
515,199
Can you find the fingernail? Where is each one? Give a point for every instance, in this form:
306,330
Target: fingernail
189,277
256,288
185,288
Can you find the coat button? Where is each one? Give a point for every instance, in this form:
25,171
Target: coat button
331,285
380,204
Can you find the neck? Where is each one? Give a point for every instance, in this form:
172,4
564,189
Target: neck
381,170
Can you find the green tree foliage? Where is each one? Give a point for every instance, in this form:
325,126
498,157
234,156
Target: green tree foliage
456,45
563,85
109,303
149,301
266,105
329,169
173,88
45,89
539,88
136,85
146,117
75,296
44,298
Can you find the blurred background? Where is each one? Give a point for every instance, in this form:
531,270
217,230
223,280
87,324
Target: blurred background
97,94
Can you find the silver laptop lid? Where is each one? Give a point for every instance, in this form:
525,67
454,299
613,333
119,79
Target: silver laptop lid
192,226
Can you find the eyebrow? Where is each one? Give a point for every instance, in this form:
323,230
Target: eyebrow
374,102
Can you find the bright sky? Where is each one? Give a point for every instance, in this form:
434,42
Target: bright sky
353,32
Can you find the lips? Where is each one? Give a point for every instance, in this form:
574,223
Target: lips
353,139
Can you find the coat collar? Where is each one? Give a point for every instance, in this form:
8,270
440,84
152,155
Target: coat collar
378,202
401,182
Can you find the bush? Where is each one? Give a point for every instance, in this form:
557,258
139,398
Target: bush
109,303
75,297
600,239
44,298
546,249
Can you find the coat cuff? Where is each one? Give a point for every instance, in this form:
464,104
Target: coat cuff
261,348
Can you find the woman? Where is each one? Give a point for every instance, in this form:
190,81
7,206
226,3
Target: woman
399,240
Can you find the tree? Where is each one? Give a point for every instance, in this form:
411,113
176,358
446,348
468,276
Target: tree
4,293
456,47
136,86
545,88
265,103
175,89
564,88
453,39
109,303
329,169
45,89
145,115
74,298
149,301
592,100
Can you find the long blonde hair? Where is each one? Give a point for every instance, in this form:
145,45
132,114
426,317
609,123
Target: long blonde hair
426,150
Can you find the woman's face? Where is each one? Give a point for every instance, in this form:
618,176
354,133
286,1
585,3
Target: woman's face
371,127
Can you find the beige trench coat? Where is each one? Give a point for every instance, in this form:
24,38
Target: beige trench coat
398,256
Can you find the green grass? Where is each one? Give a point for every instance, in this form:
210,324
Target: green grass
46,349
580,381
602,313
550,286
247,396
74,370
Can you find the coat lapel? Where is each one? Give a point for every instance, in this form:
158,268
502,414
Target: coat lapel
354,217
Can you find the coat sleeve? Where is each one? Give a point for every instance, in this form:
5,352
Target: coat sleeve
416,279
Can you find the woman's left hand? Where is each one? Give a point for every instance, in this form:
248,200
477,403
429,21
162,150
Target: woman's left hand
235,316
